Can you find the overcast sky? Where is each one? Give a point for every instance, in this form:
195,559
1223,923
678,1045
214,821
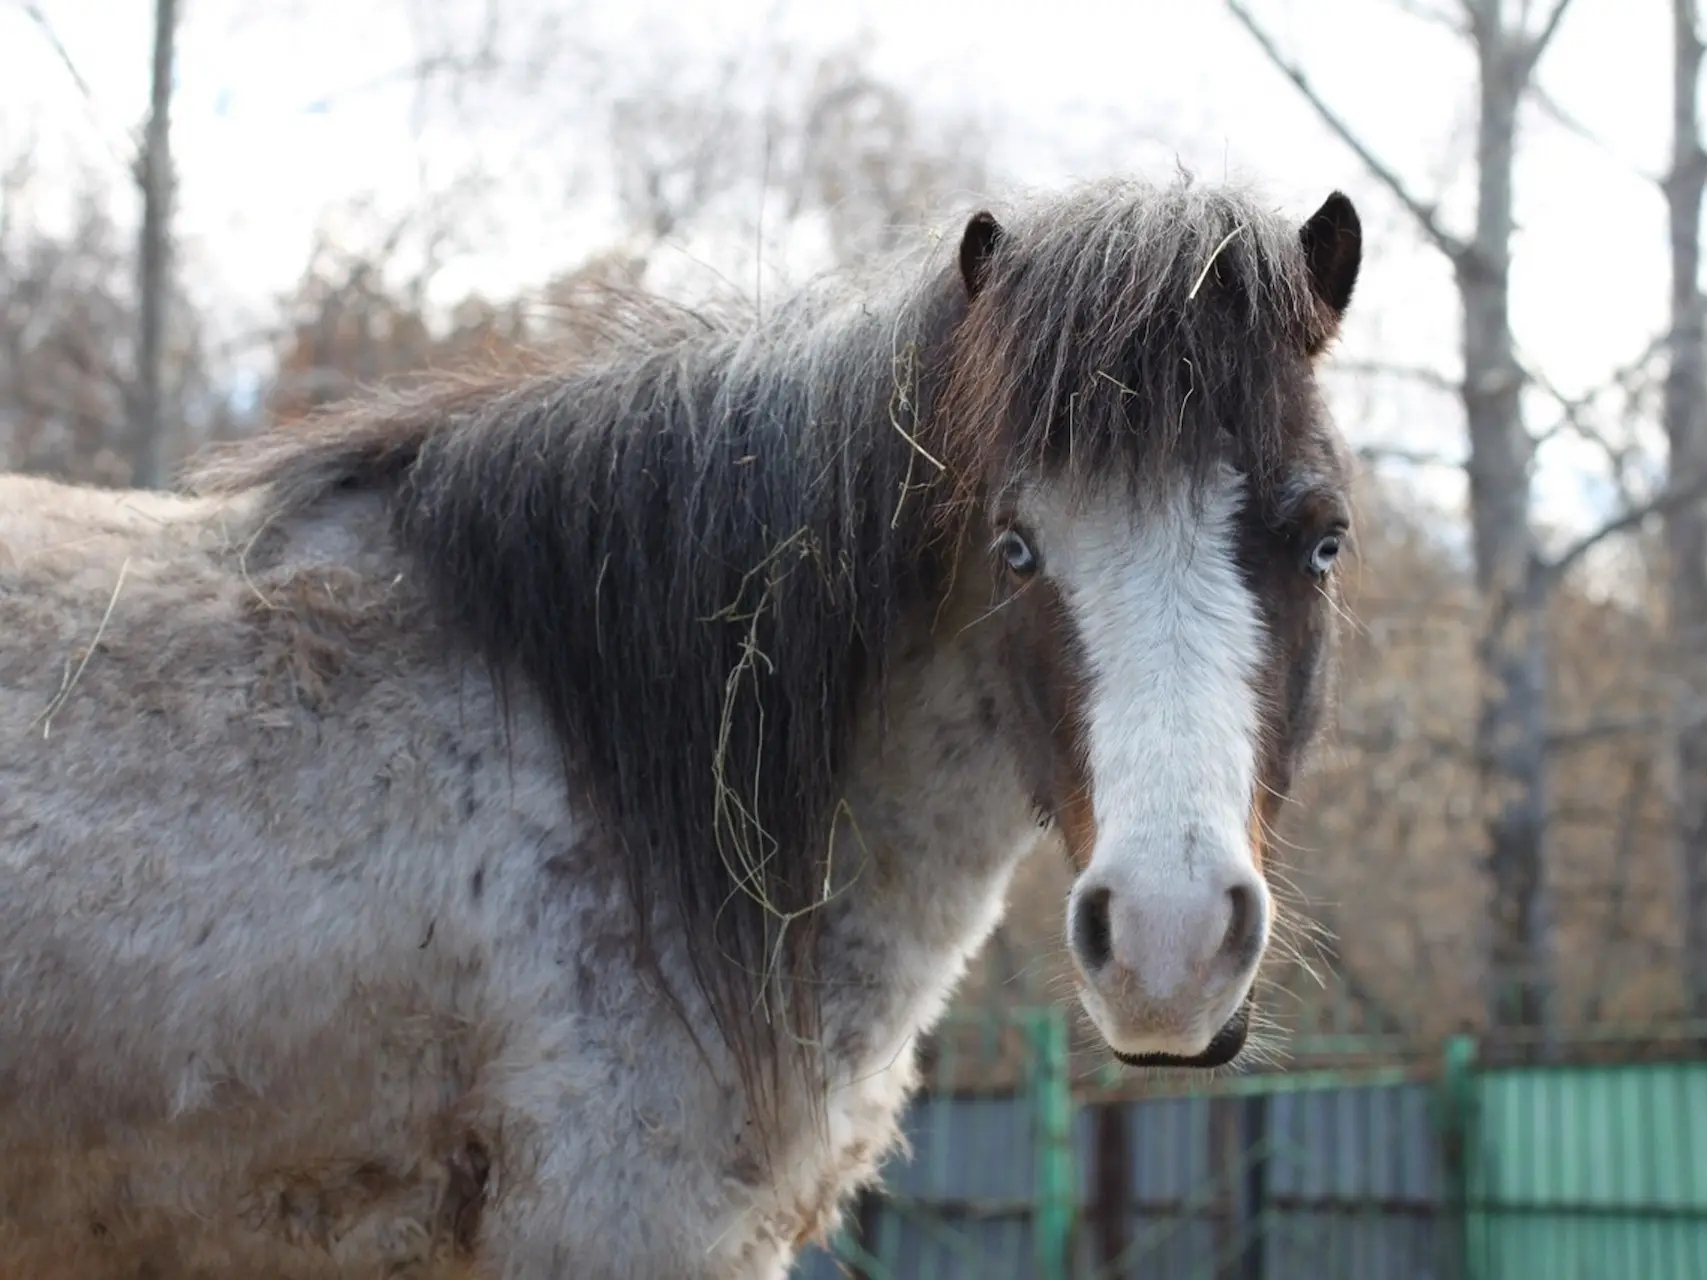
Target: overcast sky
284,110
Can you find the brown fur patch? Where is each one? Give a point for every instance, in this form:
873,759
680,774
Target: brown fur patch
1078,821
1047,673
310,623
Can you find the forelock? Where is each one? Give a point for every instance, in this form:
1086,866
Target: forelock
1139,329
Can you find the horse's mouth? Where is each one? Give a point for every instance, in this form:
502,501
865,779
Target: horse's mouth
1228,1043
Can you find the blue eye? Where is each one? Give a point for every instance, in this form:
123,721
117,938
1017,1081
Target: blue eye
1323,554
1016,553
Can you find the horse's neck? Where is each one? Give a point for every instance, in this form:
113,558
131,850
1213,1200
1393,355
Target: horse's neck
935,824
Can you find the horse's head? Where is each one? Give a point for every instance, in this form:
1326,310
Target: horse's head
1164,504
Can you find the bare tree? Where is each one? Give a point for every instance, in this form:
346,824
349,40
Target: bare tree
154,175
865,156
65,337
356,321
1686,523
1511,576
696,153
68,329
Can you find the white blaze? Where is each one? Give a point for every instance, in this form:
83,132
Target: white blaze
1172,636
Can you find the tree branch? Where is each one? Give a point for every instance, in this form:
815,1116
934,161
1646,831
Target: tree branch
1412,457
91,108
35,15
1549,106
1443,240
1561,564
1428,13
1685,714
1433,379
1627,379
1587,735
1431,749
1542,38
431,67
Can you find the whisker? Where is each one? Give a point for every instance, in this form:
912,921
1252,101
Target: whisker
1345,615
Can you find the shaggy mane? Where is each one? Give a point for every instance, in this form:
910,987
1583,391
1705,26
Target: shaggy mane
696,544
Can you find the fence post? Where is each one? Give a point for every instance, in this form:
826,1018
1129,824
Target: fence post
1457,1150
1106,1204
1052,1106
1254,1130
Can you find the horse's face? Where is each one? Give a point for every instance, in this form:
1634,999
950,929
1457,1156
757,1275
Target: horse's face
1176,656
1170,652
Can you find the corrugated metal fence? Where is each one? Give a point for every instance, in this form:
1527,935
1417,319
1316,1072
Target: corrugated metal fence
1449,1170
1588,1171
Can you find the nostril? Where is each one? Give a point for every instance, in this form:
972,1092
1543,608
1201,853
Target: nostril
1090,929
1244,925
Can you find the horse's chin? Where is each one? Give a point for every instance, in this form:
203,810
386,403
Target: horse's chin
1226,1046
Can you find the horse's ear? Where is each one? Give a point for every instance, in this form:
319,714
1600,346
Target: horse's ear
1333,251
983,234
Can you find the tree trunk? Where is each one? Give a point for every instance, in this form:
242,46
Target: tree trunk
1686,525
1513,581
1511,724
154,174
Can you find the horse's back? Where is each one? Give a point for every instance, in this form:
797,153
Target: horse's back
115,617
38,513
233,981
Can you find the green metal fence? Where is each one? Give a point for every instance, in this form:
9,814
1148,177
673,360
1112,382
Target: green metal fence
1459,1166
1587,1171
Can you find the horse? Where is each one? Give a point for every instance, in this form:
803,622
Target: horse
522,825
